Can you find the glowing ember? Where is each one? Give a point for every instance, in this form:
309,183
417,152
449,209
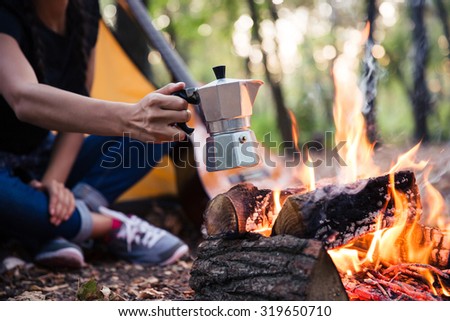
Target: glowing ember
262,220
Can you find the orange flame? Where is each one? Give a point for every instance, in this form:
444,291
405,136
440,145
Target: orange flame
276,202
268,219
350,124
396,244
385,246
295,129
365,33
311,174
434,204
346,260
407,161
305,171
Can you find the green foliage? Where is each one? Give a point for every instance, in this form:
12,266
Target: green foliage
203,32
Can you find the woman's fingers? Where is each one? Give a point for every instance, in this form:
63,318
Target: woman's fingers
170,88
167,102
171,116
62,203
156,116
61,200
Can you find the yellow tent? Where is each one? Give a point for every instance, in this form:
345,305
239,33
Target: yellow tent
117,78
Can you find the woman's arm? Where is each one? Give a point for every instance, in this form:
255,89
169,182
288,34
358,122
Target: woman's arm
150,119
64,152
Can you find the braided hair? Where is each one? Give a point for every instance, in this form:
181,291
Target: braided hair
76,26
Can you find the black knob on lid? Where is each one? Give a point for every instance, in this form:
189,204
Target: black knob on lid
219,71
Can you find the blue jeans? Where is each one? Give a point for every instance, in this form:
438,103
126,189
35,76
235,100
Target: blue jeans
107,166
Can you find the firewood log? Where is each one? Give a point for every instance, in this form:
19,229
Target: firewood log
253,267
337,214
227,213
438,240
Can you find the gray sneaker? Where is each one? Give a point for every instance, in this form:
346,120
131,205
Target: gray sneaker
60,253
138,241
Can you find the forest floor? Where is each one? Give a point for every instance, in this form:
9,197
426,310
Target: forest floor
119,280
104,277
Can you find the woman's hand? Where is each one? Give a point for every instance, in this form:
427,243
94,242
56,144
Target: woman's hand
61,200
156,114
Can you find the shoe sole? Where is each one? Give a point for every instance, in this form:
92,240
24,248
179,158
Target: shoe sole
182,250
70,258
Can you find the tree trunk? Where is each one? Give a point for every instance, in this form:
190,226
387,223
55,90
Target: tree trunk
283,119
421,99
443,16
258,268
369,82
132,40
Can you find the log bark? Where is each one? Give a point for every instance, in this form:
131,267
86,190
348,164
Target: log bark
338,214
254,267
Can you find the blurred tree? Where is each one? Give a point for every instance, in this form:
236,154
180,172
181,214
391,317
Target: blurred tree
370,78
420,98
443,16
306,37
273,77
132,39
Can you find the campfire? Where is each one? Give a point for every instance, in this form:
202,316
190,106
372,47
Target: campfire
371,222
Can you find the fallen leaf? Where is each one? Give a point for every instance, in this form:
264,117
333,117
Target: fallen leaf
106,293
150,294
89,291
29,296
55,288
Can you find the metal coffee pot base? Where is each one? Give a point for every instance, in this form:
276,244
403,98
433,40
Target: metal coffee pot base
231,150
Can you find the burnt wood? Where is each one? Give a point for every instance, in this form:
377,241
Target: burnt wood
254,267
227,213
438,241
337,214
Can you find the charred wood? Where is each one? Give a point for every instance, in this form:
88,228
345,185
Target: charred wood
228,213
338,214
